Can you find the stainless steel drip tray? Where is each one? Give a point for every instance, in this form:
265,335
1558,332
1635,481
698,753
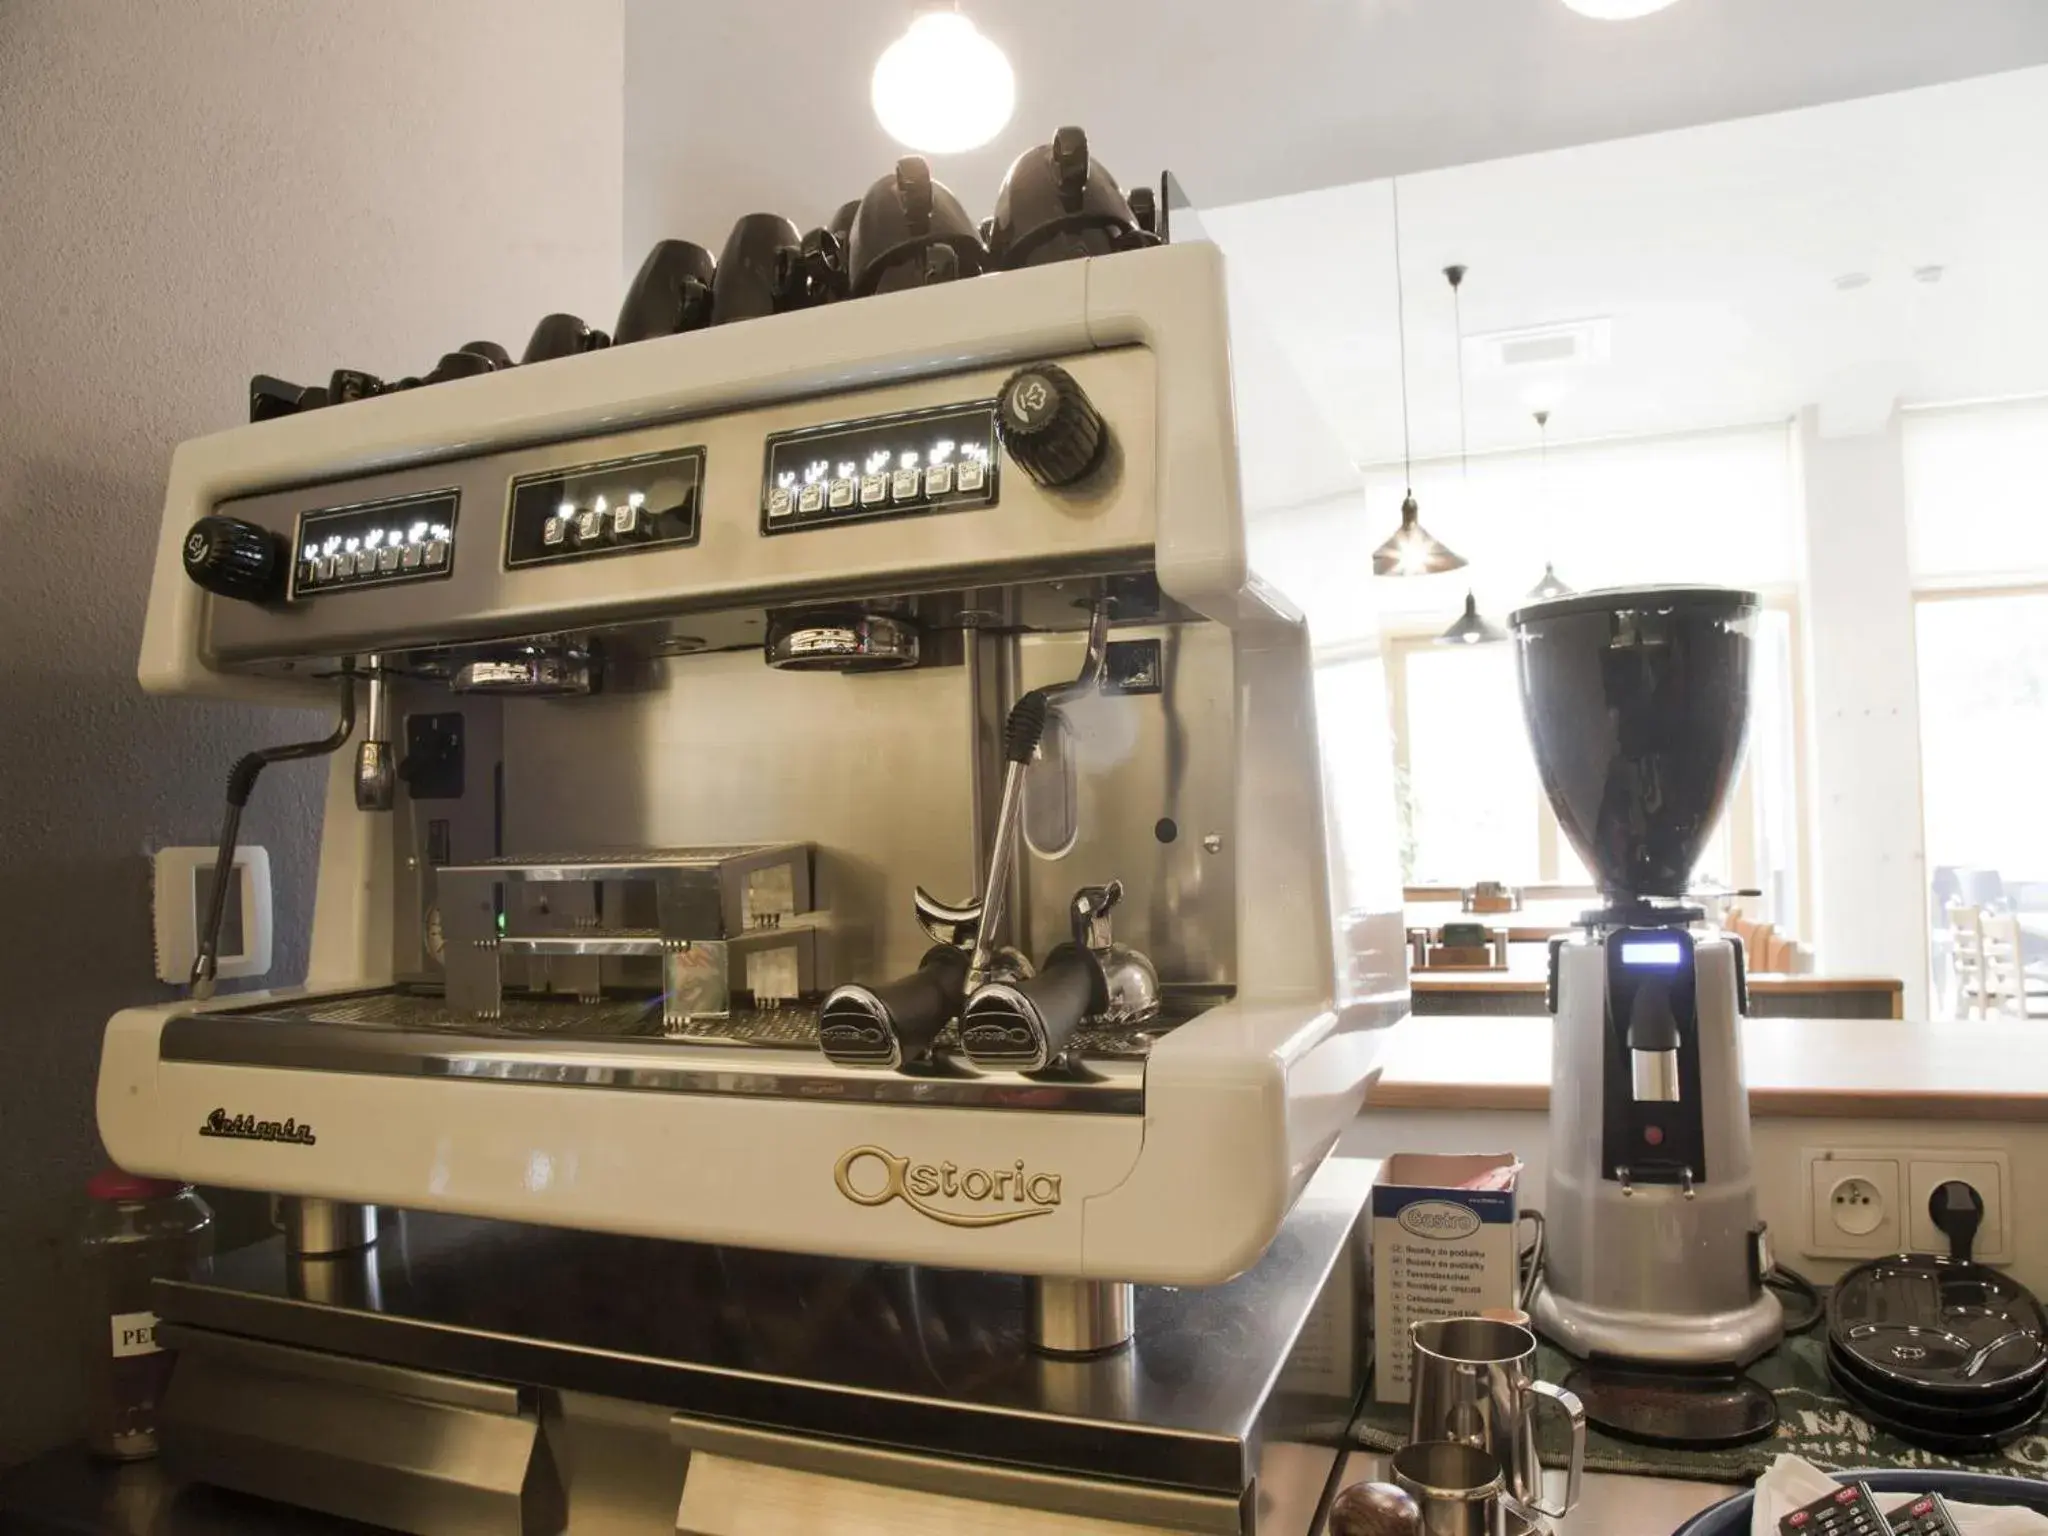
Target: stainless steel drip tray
912,1359
621,1044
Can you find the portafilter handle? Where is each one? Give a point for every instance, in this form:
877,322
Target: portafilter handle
895,1022
1022,1026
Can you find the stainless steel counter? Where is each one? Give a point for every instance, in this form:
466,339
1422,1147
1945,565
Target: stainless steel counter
1221,1416
65,1494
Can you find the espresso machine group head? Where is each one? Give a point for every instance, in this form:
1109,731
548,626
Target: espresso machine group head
1637,703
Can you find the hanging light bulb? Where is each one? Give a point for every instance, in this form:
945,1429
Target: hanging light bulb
1411,550
1616,10
1471,629
942,87
1550,586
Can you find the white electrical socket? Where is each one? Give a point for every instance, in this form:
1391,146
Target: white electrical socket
1854,1210
1987,1172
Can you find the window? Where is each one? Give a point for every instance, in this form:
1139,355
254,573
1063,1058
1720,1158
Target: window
1979,541
1983,738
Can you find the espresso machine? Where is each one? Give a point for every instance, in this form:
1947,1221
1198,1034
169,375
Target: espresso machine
823,886
1637,703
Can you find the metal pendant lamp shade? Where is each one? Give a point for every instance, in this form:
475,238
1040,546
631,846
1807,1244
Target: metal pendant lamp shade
1413,550
1471,629
1550,586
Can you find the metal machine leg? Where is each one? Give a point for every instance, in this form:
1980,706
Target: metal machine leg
1079,1317
313,1226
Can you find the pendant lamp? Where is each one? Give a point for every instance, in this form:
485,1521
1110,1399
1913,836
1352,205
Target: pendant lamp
1551,585
1411,550
1471,629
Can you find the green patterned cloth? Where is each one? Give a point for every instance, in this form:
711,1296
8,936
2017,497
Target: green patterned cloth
1813,1422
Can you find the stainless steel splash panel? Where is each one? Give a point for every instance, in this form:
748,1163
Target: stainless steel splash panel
875,771
1132,763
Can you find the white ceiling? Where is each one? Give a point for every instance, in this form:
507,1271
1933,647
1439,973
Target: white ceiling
1713,251
737,105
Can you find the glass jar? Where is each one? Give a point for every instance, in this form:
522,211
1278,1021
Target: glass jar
136,1229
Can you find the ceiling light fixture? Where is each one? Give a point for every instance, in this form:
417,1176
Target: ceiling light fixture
1616,10
1410,551
942,87
1471,629
1550,586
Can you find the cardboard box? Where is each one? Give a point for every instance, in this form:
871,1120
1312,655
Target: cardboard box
1438,1250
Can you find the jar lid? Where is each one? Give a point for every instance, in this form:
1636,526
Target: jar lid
118,1184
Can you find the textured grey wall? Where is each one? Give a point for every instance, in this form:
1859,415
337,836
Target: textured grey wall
192,191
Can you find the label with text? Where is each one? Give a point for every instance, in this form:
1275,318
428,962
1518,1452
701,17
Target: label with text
134,1334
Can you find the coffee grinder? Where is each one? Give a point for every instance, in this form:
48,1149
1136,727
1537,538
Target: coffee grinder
1637,703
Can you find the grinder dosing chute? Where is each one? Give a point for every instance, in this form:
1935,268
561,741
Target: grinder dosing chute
1637,702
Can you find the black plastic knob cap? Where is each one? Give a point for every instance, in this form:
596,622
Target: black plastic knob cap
235,559
1051,430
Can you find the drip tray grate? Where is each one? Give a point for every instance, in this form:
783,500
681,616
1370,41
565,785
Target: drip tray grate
790,1027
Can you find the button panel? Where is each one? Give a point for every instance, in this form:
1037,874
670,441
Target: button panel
612,508
374,544
906,465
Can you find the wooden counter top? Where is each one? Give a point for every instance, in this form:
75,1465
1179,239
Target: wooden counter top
1877,1069
1529,975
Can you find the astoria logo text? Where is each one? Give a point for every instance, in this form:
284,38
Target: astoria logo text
959,1197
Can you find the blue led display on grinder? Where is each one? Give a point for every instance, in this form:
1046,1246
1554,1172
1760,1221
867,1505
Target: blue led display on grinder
1653,952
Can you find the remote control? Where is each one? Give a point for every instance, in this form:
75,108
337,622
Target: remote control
1927,1515
1849,1511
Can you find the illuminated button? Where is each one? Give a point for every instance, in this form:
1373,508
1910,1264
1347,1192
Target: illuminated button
874,490
842,491
555,531
589,526
811,498
345,563
971,475
387,560
938,480
327,566
412,557
625,521
437,552
309,572
905,484
780,502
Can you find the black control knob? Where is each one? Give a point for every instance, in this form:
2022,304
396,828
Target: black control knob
1052,431
236,559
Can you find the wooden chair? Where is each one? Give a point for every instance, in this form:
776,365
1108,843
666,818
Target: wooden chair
1777,955
1966,959
2003,973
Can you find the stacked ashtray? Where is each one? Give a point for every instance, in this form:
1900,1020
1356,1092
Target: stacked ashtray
1944,1353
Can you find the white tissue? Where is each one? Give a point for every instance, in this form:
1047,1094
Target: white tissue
1791,1483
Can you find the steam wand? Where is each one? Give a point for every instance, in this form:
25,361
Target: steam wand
1022,732
241,783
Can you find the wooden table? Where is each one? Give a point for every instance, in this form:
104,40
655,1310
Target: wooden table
1881,1069
1535,922
1519,990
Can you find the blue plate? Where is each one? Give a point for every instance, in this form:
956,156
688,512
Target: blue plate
1731,1516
